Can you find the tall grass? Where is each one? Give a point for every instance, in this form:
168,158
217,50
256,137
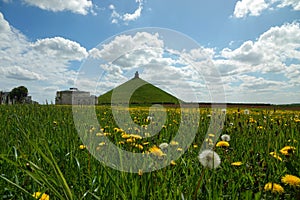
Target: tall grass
40,152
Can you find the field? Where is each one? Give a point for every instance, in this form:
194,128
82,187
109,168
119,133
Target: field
41,151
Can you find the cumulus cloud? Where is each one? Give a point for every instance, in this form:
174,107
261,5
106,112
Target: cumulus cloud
249,7
124,44
60,48
43,62
270,51
257,69
244,8
126,17
76,6
18,73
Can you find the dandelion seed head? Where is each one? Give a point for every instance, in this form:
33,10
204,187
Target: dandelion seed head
225,137
209,158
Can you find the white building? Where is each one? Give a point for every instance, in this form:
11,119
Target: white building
76,97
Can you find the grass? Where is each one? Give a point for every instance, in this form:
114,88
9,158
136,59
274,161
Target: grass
40,153
145,94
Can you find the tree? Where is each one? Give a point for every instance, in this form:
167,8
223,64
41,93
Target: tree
19,94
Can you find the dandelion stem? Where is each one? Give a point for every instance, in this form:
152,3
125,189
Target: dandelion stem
199,183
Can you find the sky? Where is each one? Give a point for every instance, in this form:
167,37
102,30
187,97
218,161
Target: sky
245,51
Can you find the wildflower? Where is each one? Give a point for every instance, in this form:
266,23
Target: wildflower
42,196
195,146
140,172
136,136
287,150
125,136
173,143
163,146
208,140
246,112
274,154
222,144
209,158
102,143
236,163
173,163
274,187
225,137
291,180
156,151
294,141
179,149
82,146
145,143
139,146
99,134
129,140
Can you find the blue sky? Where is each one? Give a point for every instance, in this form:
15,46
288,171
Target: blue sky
253,44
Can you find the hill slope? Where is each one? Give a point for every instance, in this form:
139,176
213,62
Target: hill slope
144,93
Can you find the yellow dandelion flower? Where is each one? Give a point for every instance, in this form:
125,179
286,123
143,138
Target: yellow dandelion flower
121,142
82,146
129,140
41,196
236,163
156,151
99,134
102,143
173,143
125,136
136,136
179,149
294,141
139,146
287,150
222,144
195,146
173,163
275,155
291,180
208,140
140,172
274,188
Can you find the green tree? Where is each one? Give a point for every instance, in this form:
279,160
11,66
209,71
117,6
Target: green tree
19,94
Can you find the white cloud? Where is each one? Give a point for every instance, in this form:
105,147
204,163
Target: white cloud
126,17
60,48
76,6
269,52
264,70
18,73
123,44
244,8
249,7
295,4
43,62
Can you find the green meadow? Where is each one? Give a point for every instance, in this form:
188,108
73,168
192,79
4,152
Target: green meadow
41,153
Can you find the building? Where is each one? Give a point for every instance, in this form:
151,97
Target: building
4,98
75,96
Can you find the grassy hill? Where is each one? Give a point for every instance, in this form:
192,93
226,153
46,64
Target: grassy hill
145,94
